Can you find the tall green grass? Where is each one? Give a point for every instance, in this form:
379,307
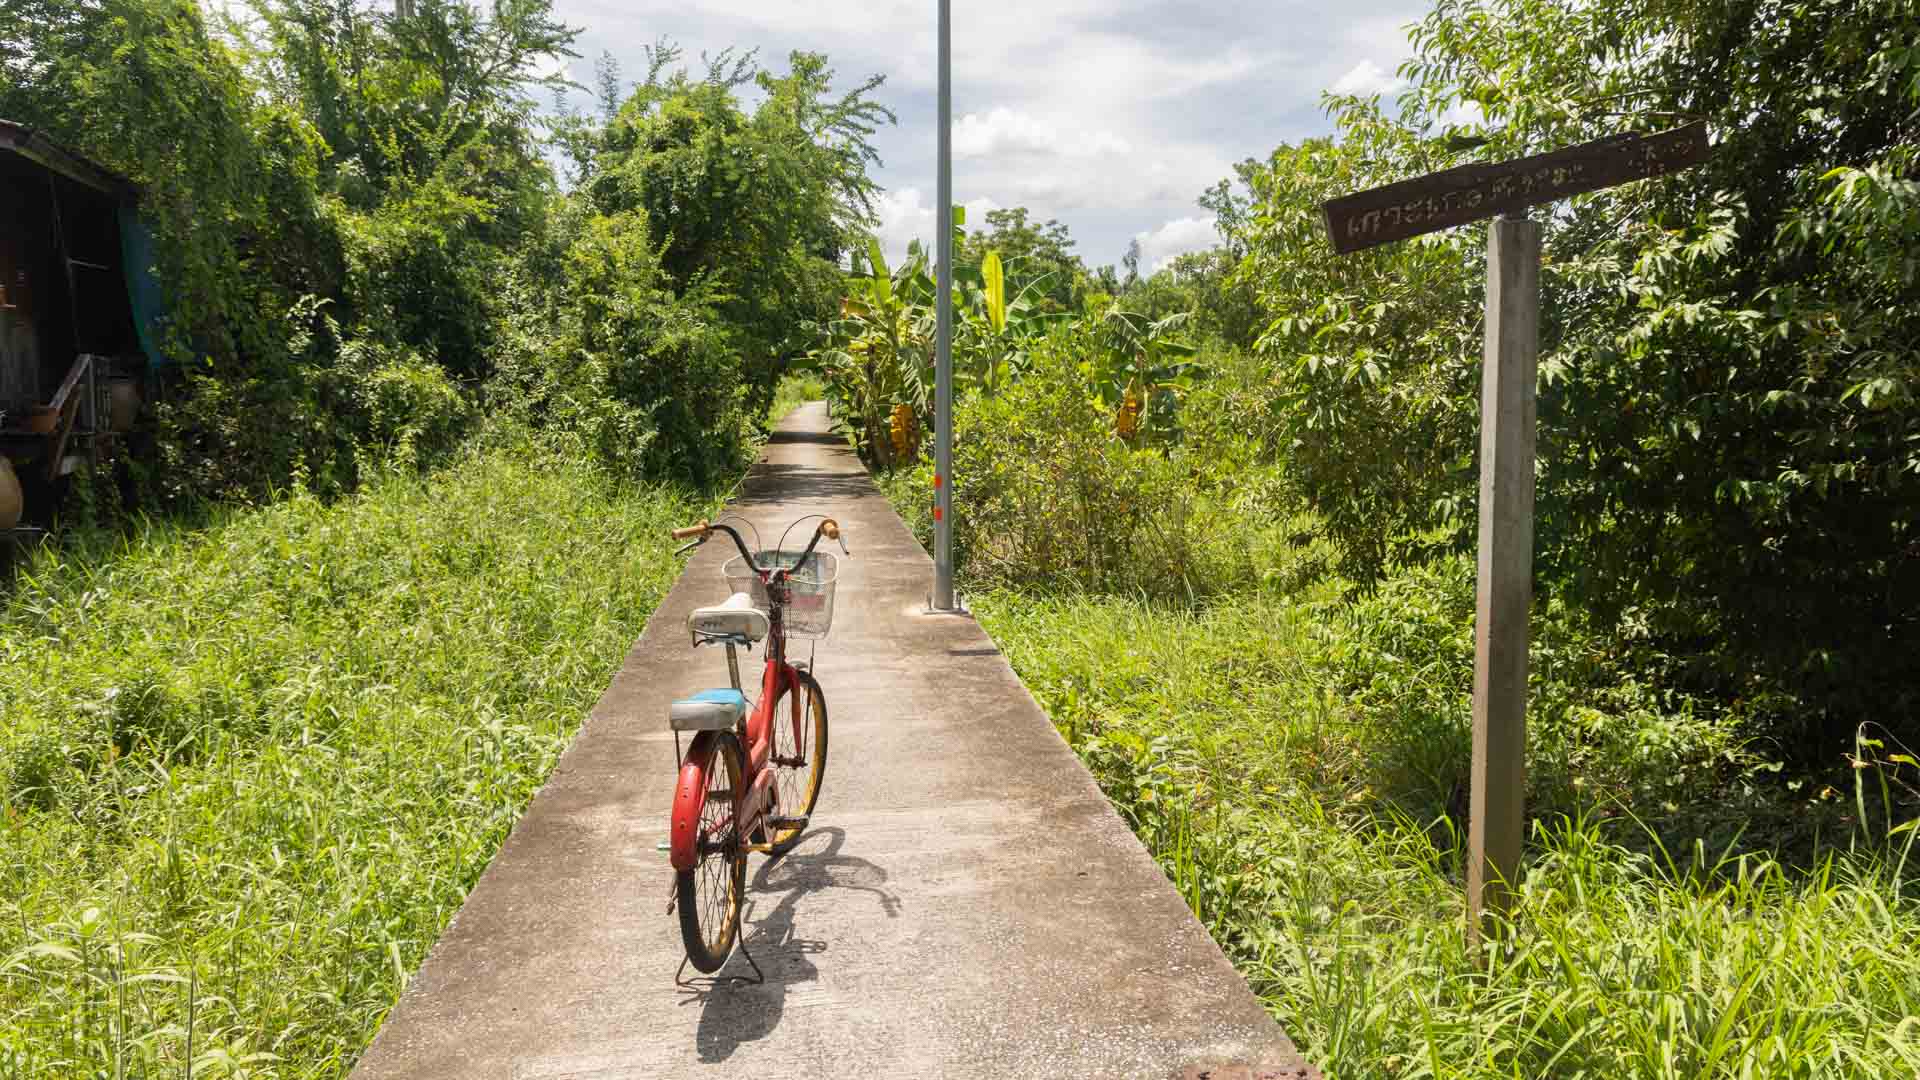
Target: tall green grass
793,392
249,770
1266,750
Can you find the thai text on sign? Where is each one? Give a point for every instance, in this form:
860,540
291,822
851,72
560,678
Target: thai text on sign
1456,196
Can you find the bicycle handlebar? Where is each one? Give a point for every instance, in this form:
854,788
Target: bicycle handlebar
829,528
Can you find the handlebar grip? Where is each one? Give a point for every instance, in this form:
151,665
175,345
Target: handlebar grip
830,529
691,530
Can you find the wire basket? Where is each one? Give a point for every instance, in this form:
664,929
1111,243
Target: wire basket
809,611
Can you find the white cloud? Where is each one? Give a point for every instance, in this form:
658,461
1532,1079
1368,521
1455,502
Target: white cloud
1006,131
1103,142
903,219
550,65
1158,247
1366,78
905,216
1109,115
1000,131
1463,114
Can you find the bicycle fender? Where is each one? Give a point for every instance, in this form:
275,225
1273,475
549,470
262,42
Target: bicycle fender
689,799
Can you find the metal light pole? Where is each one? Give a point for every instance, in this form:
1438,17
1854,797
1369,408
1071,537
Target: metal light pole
943,334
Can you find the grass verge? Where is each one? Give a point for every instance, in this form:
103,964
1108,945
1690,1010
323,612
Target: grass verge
1242,750
248,771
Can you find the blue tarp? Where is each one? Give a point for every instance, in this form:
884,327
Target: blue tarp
148,300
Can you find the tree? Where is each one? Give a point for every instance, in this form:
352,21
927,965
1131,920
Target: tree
1730,446
1030,253
428,119
758,208
878,355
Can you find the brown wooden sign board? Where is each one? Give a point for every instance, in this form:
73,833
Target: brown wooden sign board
1456,196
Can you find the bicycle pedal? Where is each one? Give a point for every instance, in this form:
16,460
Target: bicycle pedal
786,822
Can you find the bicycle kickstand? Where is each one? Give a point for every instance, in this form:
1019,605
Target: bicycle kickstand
759,976
680,979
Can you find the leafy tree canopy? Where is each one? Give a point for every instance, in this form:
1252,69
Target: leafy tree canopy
1729,443
1031,252
762,206
362,238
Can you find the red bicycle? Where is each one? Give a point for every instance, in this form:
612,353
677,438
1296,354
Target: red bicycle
752,771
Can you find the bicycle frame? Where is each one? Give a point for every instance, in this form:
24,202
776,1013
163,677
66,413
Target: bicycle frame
756,734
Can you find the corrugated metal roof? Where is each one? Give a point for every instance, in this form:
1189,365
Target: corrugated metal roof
36,147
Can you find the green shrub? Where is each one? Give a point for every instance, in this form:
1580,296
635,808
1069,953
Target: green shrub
639,377
320,407
1728,413
412,410
794,390
1603,734
1049,493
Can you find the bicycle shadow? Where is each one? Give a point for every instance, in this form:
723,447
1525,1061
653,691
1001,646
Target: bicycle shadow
734,1013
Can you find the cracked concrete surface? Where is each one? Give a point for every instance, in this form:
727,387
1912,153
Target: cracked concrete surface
966,902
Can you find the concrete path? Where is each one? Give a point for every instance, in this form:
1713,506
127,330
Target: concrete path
966,904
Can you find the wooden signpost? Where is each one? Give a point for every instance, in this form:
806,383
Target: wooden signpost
1496,812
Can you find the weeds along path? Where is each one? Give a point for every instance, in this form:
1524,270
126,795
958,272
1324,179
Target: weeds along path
967,903
248,771
1284,758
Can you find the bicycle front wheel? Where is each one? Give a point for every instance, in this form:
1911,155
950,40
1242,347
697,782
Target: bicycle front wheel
709,894
799,757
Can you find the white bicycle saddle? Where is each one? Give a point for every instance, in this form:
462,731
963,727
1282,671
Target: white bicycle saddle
735,618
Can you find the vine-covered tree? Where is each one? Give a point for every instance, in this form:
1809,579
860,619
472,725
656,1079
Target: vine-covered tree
362,238
759,208
1729,438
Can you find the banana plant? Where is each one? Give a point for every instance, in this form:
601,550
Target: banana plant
1143,370
995,332
877,354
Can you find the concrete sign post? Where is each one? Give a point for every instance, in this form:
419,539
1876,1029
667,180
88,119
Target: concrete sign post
1497,807
942,599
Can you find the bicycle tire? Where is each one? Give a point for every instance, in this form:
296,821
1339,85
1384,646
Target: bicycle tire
806,778
709,896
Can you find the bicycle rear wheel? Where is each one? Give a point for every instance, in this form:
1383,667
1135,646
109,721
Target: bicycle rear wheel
709,894
799,764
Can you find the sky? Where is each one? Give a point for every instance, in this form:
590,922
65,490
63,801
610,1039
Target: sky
1111,116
